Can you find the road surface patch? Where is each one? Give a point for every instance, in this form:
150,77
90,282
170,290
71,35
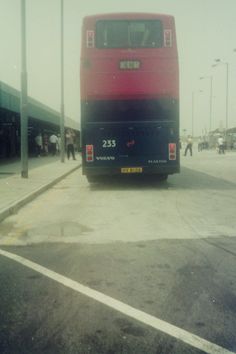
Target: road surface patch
154,322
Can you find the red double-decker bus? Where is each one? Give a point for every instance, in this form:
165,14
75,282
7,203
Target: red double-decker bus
129,95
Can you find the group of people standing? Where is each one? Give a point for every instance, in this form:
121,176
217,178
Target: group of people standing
45,144
52,144
189,146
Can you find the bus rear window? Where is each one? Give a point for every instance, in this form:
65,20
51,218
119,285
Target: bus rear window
129,34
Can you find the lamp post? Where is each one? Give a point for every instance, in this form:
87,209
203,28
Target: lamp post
193,107
193,93
62,117
211,79
23,97
218,62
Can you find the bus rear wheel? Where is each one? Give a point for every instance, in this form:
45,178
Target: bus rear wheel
94,178
163,177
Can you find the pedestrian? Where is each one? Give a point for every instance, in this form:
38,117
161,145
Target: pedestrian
200,144
70,144
189,146
53,141
39,144
58,144
180,144
45,144
221,145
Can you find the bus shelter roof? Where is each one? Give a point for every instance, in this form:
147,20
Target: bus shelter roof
10,101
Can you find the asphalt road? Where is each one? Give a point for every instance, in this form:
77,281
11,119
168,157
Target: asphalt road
167,250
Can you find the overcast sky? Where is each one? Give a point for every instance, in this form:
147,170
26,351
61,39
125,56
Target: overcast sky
206,30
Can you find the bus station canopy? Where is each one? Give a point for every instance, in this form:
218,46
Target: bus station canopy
10,101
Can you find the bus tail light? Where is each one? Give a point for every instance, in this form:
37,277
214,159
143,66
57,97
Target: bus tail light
172,151
167,38
89,153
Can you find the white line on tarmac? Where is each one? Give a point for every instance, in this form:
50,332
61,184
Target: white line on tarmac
173,331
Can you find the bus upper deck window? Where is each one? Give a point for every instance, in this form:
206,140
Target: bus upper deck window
129,34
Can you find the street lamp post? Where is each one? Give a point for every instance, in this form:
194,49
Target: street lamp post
23,97
218,62
193,93
211,79
62,118
193,107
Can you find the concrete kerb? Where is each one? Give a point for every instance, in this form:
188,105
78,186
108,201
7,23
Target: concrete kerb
14,207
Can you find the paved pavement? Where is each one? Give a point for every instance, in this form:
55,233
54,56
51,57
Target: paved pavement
222,166
44,172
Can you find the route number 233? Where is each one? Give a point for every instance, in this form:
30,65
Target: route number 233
108,143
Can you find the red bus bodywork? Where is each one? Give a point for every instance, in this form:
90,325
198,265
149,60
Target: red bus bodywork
101,77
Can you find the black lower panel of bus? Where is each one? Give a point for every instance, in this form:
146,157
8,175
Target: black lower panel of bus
110,148
130,136
162,109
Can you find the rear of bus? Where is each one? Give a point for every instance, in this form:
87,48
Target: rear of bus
129,95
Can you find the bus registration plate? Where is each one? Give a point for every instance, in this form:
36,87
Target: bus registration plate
131,170
129,64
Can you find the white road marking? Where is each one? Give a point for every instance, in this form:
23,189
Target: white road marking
165,327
